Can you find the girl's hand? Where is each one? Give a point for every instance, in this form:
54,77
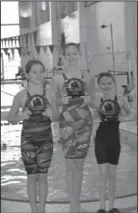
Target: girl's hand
26,114
124,119
47,113
121,118
86,99
65,100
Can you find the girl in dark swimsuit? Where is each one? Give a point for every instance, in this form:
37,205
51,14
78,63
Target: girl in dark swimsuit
36,136
107,140
70,89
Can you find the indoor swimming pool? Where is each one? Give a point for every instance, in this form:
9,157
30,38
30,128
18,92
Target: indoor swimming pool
13,177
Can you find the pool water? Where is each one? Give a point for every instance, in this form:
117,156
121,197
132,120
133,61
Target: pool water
13,176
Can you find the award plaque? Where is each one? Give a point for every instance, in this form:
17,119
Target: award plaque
109,109
75,87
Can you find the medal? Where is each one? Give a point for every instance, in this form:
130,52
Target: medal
37,104
75,87
109,109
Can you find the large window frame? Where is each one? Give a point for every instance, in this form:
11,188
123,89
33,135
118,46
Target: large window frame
8,65
11,27
6,13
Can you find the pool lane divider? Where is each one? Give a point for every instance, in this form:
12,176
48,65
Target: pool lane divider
66,202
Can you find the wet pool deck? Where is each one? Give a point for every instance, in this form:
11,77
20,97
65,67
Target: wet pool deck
130,127
126,205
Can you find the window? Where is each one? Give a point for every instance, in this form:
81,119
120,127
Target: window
9,12
88,3
9,31
9,28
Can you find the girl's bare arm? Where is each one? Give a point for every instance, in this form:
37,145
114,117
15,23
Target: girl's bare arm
13,116
91,91
54,101
130,113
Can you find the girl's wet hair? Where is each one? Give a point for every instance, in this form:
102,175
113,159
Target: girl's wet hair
31,63
105,74
70,44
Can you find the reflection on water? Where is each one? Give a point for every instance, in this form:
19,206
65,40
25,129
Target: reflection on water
13,179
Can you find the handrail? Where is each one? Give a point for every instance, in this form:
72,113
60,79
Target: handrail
6,107
8,93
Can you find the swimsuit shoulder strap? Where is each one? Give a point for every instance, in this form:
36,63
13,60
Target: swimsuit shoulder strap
28,97
101,100
64,76
28,93
82,75
44,89
115,98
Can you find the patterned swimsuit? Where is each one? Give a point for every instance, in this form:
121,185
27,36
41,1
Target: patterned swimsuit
75,140
36,137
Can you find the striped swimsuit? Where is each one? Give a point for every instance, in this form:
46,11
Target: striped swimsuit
36,136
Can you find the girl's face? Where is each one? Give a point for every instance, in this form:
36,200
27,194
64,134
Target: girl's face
106,84
72,55
36,74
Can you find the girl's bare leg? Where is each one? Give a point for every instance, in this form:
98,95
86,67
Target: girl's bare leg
70,163
77,181
42,191
32,192
103,184
112,185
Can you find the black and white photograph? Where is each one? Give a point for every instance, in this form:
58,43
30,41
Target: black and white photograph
68,106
